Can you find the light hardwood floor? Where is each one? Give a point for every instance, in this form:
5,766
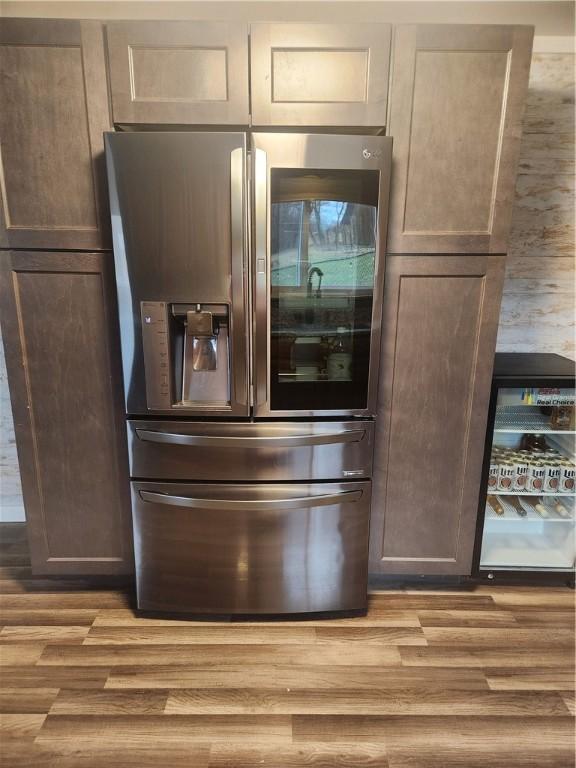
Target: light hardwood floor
478,678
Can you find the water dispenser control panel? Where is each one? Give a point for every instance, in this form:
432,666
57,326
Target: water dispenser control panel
156,343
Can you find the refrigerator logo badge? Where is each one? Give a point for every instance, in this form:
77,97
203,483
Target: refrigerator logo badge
352,472
367,154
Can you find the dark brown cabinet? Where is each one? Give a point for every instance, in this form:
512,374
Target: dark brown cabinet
54,110
57,314
179,72
319,74
456,102
439,335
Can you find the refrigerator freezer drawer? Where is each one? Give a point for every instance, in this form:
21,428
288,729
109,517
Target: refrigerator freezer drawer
251,549
176,450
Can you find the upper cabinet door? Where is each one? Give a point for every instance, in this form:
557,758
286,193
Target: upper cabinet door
173,72
456,104
319,74
53,113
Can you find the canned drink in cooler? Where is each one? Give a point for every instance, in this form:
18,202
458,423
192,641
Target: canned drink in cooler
551,477
493,475
567,477
520,474
535,479
506,474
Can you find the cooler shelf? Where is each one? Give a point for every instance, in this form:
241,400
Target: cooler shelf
510,515
523,430
510,512
533,495
525,419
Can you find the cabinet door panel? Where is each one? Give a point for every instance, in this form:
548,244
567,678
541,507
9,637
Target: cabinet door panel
179,72
54,112
456,104
319,74
61,359
440,325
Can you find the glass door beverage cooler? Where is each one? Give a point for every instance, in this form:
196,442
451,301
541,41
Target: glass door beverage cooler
526,521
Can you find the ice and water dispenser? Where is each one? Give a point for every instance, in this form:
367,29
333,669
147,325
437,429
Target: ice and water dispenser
186,354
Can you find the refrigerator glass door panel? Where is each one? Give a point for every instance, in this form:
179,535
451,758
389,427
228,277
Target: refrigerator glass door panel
176,450
178,203
530,516
255,549
320,217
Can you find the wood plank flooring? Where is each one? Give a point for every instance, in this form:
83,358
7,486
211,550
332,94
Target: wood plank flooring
470,678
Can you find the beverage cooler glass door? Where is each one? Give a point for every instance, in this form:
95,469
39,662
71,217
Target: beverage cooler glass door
529,519
320,208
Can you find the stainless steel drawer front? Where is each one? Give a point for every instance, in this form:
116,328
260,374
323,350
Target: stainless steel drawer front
229,548
173,450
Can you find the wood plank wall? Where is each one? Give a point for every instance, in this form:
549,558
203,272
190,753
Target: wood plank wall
538,305
11,504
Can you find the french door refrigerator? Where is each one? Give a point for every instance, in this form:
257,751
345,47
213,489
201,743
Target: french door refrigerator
249,273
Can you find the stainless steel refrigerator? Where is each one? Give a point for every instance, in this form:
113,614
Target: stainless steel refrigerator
250,271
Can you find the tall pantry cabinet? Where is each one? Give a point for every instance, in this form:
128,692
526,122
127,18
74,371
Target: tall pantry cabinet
450,96
57,300
455,110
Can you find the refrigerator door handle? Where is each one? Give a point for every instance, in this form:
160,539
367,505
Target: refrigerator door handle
239,372
261,353
279,441
298,502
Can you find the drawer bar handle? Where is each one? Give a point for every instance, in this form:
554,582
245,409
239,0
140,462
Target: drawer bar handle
256,504
280,441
